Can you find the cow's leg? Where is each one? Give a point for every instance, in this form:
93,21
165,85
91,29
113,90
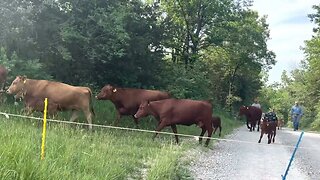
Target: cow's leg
201,135
88,114
274,135
210,129
269,137
261,135
159,128
174,129
248,124
250,127
259,121
74,116
215,129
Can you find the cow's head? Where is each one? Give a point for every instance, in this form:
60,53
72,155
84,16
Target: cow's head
243,110
106,92
17,85
20,95
143,110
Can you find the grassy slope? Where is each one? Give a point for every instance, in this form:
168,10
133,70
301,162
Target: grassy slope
75,153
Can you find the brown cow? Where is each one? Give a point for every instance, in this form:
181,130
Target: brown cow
37,104
3,77
216,122
68,97
170,112
253,115
270,128
280,124
128,100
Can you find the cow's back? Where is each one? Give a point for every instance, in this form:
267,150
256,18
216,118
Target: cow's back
255,113
132,98
68,96
184,109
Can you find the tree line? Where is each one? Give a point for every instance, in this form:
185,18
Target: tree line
199,49
301,84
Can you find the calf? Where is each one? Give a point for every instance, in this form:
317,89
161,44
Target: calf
37,104
280,124
127,100
170,112
270,128
216,122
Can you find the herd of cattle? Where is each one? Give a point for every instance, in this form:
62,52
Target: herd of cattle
137,103
131,102
255,117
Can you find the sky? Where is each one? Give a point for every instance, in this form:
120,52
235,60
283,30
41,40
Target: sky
289,27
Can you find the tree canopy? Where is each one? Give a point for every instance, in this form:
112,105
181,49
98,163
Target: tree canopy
200,49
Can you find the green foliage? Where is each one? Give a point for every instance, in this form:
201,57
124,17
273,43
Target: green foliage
190,83
199,49
17,66
302,85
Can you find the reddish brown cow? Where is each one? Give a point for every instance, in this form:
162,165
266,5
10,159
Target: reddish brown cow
68,97
253,115
216,122
128,100
3,77
270,128
280,124
170,112
36,104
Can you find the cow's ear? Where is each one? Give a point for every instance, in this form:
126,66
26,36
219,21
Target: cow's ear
23,78
114,90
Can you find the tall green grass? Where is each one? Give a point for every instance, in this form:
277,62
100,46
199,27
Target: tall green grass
76,153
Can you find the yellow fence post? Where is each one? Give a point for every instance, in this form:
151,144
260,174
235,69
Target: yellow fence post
44,128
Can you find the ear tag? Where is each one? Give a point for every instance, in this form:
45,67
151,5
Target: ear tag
247,107
24,81
115,90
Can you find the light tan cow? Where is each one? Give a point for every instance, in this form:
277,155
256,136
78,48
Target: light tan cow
68,97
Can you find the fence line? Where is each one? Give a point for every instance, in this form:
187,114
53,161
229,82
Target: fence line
7,115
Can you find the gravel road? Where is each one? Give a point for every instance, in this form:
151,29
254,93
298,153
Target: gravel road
238,160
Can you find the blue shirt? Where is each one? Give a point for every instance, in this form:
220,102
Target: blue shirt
296,110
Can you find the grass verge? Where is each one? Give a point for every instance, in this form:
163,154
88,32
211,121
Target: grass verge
75,153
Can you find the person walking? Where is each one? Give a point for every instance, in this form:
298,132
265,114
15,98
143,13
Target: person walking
296,114
256,103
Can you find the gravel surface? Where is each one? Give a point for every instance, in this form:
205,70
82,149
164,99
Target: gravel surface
239,160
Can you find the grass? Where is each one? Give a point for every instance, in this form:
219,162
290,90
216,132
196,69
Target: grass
75,153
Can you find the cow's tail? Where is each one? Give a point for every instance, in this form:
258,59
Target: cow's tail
91,102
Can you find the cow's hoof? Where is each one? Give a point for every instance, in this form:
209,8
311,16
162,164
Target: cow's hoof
259,141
